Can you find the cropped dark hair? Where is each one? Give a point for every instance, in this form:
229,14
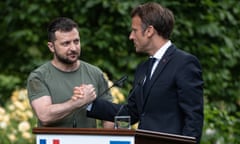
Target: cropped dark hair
161,18
60,24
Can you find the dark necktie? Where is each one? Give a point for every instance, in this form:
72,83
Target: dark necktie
149,66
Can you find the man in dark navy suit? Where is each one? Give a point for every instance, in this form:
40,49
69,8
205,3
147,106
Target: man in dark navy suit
170,98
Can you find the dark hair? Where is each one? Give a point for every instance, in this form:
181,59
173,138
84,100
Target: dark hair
161,18
60,24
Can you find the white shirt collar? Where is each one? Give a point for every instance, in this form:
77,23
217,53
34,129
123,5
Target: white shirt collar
159,54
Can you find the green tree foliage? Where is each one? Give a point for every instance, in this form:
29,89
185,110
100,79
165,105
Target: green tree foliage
206,28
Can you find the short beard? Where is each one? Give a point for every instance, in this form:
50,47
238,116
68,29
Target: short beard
63,59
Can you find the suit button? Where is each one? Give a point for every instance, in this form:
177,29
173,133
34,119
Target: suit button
143,114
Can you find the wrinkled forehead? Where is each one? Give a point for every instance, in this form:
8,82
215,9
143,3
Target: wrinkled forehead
136,22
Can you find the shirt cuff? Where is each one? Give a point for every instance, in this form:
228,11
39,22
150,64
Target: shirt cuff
89,107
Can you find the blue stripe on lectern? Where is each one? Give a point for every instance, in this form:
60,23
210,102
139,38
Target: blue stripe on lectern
43,141
120,142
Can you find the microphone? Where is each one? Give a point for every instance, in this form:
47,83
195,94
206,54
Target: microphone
139,83
118,83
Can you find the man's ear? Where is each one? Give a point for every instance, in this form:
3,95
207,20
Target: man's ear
150,31
51,46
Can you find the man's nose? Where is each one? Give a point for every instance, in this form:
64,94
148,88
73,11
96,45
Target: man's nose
130,36
73,46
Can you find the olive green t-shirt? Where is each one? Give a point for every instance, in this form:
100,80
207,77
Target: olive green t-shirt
47,80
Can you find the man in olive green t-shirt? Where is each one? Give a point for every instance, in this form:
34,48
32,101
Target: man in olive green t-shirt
51,86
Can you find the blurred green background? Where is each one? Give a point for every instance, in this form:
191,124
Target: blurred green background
209,29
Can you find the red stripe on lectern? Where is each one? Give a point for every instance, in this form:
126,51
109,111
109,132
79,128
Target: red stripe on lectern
56,141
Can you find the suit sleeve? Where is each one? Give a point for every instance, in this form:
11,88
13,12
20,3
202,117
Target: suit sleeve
104,110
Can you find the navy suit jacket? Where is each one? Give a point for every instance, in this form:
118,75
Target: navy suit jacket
174,102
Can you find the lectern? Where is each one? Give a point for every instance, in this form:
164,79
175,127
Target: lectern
49,135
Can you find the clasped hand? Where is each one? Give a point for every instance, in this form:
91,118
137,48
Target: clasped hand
85,91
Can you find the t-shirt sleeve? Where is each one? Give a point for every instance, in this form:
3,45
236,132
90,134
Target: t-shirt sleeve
36,87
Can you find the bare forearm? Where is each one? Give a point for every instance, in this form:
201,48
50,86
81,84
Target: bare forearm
48,113
56,112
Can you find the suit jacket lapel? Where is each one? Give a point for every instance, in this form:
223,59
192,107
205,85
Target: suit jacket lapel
162,63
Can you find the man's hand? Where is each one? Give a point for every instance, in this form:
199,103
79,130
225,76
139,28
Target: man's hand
85,92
